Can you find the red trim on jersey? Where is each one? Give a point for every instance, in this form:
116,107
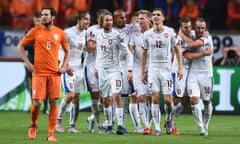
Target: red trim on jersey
90,40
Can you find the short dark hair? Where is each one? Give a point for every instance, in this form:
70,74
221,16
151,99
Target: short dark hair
158,9
184,20
81,14
52,10
37,14
101,11
104,14
145,12
201,19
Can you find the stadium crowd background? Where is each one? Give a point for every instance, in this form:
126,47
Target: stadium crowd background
220,14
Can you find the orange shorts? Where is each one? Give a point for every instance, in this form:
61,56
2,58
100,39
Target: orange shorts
43,85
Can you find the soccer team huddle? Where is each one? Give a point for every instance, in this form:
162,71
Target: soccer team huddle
126,67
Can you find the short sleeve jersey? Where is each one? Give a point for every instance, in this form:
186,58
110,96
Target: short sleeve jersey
109,46
46,47
77,40
203,64
159,46
92,33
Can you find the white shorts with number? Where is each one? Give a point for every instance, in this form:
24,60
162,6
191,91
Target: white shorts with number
160,80
74,83
139,86
179,86
199,85
126,87
110,81
91,80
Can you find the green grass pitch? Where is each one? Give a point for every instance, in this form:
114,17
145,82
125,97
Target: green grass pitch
223,129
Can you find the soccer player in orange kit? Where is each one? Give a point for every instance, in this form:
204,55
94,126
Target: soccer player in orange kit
46,73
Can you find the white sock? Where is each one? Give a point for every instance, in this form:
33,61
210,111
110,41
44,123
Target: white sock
108,115
133,110
119,115
197,114
62,110
207,115
113,110
168,111
177,110
144,114
156,116
92,116
95,111
73,114
125,109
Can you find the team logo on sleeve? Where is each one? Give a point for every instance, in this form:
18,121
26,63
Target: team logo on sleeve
166,35
110,41
127,32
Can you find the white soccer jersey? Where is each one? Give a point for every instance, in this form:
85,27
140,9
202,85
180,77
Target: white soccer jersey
92,82
125,34
136,41
200,74
109,46
159,46
92,33
203,64
77,41
179,86
184,47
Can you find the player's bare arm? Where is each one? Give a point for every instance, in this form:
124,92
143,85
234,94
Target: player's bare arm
179,59
192,43
23,55
91,46
143,65
69,70
63,67
191,56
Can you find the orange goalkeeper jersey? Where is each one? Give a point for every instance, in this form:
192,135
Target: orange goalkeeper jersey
46,46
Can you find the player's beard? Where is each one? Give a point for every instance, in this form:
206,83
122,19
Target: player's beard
47,24
108,28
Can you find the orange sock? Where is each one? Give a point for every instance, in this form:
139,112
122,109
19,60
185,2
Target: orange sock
34,115
52,119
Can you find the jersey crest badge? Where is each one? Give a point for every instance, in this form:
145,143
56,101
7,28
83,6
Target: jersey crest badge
110,41
166,35
56,36
92,34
